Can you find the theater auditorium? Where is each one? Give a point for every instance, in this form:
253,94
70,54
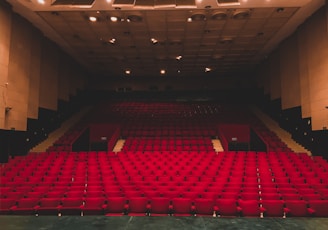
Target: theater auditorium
163,114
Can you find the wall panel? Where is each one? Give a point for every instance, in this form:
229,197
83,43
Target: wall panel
49,76
303,50
290,79
5,31
33,99
318,69
64,77
18,74
275,78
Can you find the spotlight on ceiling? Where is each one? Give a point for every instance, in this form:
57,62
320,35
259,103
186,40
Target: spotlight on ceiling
93,19
198,17
219,15
112,40
207,69
154,40
134,18
241,14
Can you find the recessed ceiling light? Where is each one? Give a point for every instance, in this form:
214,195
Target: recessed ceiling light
112,40
154,40
198,17
114,19
127,72
178,57
241,14
162,71
134,18
93,19
208,69
42,2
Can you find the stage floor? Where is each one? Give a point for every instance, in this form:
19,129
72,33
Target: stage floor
156,223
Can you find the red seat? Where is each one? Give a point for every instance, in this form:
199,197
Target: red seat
296,208
48,206
204,207
71,206
249,207
6,204
273,208
25,206
182,206
116,206
138,206
94,206
226,207
318,208
160,205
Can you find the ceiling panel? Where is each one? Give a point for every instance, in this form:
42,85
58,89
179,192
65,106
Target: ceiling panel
223,41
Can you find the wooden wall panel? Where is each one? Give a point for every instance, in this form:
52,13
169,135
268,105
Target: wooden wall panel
64,77
304,70
318,69
18,74
33,99
266,75
275,78
49,76
5,37
289,67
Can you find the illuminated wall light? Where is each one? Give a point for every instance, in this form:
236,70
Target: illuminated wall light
162,71
207,69
178,57
112,40
93,19
153,40
109,1
42,2
114,19
189,20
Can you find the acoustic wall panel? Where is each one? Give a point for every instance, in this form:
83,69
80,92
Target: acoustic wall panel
18,74
5,31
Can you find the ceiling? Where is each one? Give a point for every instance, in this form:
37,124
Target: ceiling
224,37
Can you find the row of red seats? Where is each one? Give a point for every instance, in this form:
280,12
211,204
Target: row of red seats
164,206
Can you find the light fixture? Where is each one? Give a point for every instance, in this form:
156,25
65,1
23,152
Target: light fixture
127,72
162,71
93,19
241,14
219,15
207,69
154,41
198,17
114,19
189,19
178,57
42,2
134,18
112,40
